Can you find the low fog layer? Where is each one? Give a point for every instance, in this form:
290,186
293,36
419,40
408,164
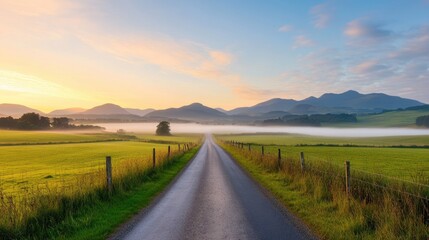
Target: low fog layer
315,131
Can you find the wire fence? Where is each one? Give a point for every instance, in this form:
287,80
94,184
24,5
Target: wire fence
23,193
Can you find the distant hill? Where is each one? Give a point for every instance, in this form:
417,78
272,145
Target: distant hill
195,112
66,112
222,110
348,102
275,104
395,118
16,110
105,111
353,99
310,109
139,112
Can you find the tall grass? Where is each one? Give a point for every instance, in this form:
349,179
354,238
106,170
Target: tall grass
385,208
28,213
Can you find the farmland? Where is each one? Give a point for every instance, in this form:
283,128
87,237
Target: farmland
44,167
363,153
406,118
388,185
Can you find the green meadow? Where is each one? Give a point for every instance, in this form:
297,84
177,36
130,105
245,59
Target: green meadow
388,119
41,170
388,185
372,155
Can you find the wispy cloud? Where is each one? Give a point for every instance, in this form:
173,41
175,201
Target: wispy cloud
368,66
322,15
16,82
302,41
366,32
285,28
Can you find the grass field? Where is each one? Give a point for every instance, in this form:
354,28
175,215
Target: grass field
378,207
296,139
388,119
36,137
177,138
25,166
404,163
42,168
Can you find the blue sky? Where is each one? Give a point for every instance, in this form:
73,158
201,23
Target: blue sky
221,53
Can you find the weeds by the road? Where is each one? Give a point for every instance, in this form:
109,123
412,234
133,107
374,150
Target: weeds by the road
35,211
377,208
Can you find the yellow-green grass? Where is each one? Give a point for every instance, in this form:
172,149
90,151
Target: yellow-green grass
39,137
404,163
29,165
37,174
388,119
318,197
176,138
91,213
297,139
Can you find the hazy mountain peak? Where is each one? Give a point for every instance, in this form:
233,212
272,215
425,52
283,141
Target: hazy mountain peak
66,111
16,110
139,112
194,105
107,109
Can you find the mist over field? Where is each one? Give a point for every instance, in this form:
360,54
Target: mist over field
314,131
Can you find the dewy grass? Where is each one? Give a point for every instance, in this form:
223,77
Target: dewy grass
317,195
99,219
405,163
31,210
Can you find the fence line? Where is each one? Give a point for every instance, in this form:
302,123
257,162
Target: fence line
347,177
45,186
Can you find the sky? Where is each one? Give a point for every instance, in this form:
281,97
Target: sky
58,54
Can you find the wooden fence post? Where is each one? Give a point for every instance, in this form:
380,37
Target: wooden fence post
168,156
109,174
347,168
242,145
263,150
302,162
153,158
279,159
249,147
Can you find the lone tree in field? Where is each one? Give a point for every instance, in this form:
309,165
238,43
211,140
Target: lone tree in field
163,129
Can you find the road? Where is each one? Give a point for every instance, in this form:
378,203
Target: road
214,199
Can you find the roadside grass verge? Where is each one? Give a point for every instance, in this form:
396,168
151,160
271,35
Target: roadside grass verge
407,163
9,137
81,209
317,195
300,139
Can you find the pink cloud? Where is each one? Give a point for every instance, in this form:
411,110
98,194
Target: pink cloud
321,15
302,41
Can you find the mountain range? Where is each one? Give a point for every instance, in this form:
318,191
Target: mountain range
347,102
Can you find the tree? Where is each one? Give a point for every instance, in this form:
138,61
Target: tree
61,122
33,121
163,129
8,123
423,121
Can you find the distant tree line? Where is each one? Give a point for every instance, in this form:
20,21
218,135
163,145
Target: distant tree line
423,121
311,120
33,121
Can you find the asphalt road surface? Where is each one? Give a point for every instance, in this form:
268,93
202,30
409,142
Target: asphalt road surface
214,199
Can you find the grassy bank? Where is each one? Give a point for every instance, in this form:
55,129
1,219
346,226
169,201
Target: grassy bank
406,118
94,215
42,185
408,162
317,195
